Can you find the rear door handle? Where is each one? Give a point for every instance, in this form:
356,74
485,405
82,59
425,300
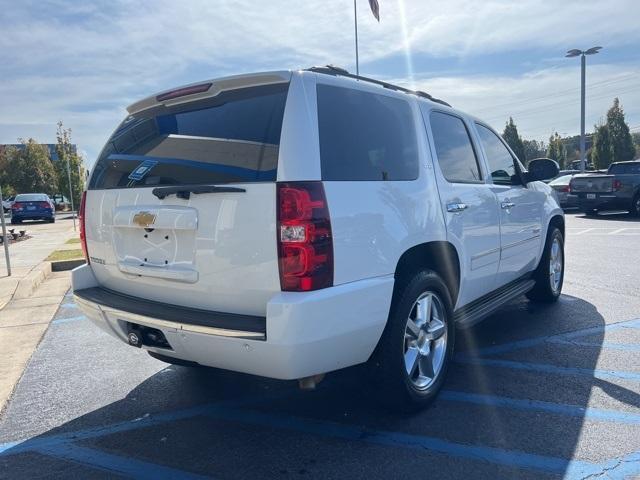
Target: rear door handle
456,207
507,205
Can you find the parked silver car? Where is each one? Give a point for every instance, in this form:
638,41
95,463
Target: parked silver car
562,187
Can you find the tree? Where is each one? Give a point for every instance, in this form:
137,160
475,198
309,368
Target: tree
556,150
69,164
622,148
601,154
533,149
512,137
29,168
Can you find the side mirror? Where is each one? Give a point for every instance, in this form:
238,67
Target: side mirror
541,169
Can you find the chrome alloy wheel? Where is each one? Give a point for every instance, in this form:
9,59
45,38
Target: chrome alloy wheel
425,340
555,265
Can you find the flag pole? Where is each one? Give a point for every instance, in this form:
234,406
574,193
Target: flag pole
355,23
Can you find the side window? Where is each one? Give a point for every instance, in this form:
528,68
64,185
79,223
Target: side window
365,136
454,150
500,160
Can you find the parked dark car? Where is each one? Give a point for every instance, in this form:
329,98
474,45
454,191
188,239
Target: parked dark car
562,187
618,189
32,206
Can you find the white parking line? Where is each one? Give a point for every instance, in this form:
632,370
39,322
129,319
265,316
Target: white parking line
604,231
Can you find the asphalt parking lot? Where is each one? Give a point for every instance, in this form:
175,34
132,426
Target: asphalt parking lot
535,392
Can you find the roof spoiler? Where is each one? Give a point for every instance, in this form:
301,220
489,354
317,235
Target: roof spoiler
209,88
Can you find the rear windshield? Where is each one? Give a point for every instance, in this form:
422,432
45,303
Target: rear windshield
233,137
32,197
624,168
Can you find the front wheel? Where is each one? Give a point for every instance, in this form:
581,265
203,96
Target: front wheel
549,275
411,360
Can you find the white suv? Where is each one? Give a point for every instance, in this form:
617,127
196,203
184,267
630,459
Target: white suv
288,224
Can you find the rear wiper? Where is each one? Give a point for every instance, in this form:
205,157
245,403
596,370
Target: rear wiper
185,191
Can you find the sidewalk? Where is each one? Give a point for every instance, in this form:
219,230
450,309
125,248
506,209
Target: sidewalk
23,322
26,256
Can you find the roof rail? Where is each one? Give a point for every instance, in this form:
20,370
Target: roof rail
341,72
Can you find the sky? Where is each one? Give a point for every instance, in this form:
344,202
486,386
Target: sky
83,62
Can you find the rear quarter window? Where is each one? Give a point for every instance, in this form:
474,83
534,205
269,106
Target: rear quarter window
233,137
365,136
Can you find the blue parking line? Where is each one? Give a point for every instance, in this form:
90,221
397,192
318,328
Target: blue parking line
509,458
621,468
625,347
547,368
532,342
116,464
69,305
587,413
69,319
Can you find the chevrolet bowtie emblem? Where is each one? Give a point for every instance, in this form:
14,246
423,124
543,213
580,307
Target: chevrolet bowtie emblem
144,219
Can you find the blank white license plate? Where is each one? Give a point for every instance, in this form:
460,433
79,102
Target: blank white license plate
31,207
591,196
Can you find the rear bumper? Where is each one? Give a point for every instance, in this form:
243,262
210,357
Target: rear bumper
306,333
32,215
603,201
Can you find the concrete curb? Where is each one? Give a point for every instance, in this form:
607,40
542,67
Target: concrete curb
29,283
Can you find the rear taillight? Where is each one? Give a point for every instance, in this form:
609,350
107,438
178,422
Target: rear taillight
44,205
305,245
617,185
17,206
83,234
566,188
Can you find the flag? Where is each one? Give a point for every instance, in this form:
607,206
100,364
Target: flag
375,8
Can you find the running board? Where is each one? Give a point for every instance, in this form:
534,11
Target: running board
481,308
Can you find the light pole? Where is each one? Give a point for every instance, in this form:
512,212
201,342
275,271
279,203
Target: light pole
583,53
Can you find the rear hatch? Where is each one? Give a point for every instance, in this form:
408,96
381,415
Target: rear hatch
592,184
181,206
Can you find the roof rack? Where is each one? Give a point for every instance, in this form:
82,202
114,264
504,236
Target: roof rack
337,71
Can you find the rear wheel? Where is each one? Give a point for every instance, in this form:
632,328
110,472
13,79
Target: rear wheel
591,212
411,361
635,206
549,275
52,220
15,222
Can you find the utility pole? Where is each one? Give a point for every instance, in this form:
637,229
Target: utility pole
583,63
355,23
5,240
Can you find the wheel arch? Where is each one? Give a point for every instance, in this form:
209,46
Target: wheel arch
439,256
557,221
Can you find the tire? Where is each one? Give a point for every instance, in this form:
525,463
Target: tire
173,361
16,222
635,206
52,220
549,276
591,213
429,343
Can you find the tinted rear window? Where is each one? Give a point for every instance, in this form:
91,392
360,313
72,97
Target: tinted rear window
625,168
365,136
32,197
456,156
233,137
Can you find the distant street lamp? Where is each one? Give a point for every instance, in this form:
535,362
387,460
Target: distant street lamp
574,53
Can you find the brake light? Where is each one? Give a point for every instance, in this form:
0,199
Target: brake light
44,205
83,235
17,206
305,245
565,188
181,92
617,185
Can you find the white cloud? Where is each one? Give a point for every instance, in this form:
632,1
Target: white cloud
83,62
545,101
